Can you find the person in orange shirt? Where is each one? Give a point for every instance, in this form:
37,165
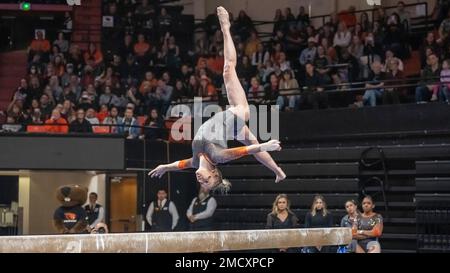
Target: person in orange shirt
252,44
149,84
103,113
348,17
141,48
93,53
215,63
56,124
39,45
207,90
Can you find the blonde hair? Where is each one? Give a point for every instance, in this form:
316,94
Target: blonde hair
313,206
275,204
223,185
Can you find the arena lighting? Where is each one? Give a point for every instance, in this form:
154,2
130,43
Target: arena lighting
25,6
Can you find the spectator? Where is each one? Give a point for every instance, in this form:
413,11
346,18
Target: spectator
429,44
352,68
201,211
282,217
445,81
80,125
374,88
144,9
56,124
91,116
256,91
444,30
112,119
261,56
94,54
348,17
128,125
350,220
389,57
356,48
206,89
308,55
46,105
142,47
284,64
244,25
429,76
289,87
103,113
370,228
404,15
94,211
62,43
164,22
396,40
364,22
180,93
321,63
313,95
108,98
395,77
154,126
272,92
85,101
67,109
67,22
302,18
380,16
342,38
36,117
39,46
279,21
252,44
11,125
162,214
318,217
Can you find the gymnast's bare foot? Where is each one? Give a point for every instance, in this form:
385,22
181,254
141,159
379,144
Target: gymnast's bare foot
280,175
224,17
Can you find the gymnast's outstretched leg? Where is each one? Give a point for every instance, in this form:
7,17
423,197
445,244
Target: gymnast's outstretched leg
235,93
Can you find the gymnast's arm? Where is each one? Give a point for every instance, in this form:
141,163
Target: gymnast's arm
175,166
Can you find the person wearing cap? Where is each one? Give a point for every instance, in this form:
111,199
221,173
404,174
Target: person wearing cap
308,54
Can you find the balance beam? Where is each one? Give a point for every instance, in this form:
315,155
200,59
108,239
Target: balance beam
176,242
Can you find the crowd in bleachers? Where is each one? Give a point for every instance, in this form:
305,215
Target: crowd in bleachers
141,68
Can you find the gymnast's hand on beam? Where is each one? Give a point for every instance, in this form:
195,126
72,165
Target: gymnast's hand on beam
158,171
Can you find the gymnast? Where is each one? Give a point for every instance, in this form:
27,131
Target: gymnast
209,146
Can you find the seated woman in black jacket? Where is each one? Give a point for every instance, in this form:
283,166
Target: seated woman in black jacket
318,217
282,217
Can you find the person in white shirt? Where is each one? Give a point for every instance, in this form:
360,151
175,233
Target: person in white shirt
162,214
95,212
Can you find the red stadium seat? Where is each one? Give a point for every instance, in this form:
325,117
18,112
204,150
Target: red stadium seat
36,129
101,129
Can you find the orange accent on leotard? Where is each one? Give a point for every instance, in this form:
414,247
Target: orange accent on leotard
182,164
238,152
376,231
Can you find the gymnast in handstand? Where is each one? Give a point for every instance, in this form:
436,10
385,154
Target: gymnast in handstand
209,146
